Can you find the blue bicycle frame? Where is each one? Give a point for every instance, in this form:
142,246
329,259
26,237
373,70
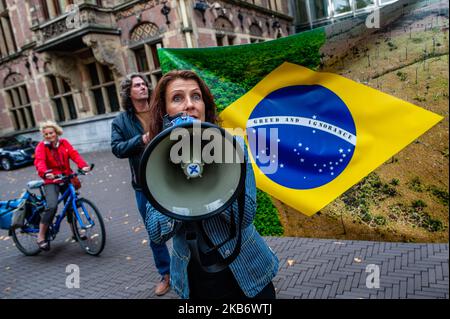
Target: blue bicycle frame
72,200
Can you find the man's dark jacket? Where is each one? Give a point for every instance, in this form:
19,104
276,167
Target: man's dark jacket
126,142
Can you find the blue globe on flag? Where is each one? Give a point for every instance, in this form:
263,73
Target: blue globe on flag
301,137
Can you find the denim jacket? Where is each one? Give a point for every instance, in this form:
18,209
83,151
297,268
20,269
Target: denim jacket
253,268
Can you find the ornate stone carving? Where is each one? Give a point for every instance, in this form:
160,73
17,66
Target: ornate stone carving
64,66
54,29
75,19
107,50
220,9
88,17
137,9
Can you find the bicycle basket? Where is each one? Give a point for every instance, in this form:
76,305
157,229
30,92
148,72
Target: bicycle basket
7,211
18,217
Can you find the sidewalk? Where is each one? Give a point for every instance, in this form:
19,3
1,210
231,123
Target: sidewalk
309,268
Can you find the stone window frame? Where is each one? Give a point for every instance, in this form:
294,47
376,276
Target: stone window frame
254,37
19,106
225,36
8,44
54,8
272,5
62,98
228,37
148,48
104,85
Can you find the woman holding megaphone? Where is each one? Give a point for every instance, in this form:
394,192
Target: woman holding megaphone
252,269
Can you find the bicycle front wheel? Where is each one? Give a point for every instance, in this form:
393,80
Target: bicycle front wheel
91,233
26,240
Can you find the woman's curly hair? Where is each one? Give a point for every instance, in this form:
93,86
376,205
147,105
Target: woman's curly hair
51,124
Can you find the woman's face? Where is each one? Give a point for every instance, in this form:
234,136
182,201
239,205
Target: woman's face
185,96
49,134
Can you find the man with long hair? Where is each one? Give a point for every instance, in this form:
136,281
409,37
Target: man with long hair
129,136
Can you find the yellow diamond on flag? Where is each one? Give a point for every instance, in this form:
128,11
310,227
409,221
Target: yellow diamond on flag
311,135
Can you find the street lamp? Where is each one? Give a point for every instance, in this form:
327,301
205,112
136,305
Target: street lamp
201,6
36,61
276,25
165,11
241,19
27,65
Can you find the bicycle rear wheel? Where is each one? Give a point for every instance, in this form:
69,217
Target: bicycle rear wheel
26,240
91,237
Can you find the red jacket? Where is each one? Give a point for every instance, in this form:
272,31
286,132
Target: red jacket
56,159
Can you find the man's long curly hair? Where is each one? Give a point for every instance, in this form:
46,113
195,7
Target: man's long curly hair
125,90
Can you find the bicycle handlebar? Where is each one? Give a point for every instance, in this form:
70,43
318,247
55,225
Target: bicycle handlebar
66,178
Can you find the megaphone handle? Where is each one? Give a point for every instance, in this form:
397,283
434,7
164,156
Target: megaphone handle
194,239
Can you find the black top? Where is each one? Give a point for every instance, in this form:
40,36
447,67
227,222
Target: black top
126,142
204,285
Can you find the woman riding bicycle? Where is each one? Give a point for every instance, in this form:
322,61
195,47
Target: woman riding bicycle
52,159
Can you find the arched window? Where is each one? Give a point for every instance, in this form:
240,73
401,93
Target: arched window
223,24
225,30
255,30
18,102
145,40
144,31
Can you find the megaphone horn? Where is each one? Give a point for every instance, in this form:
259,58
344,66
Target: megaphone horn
192,171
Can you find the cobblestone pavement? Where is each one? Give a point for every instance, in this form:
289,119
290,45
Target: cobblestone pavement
309,268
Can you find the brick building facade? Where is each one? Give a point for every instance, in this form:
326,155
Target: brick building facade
64,59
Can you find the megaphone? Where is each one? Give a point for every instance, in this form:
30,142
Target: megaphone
192,171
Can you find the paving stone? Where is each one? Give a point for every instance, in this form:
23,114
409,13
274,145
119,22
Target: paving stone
323,269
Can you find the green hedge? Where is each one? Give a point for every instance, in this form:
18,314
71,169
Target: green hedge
266,220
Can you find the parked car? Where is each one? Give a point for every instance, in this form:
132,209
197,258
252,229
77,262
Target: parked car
16,151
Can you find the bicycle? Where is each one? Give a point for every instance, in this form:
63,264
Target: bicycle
87,223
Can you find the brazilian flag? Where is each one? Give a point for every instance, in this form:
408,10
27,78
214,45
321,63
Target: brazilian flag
311,135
